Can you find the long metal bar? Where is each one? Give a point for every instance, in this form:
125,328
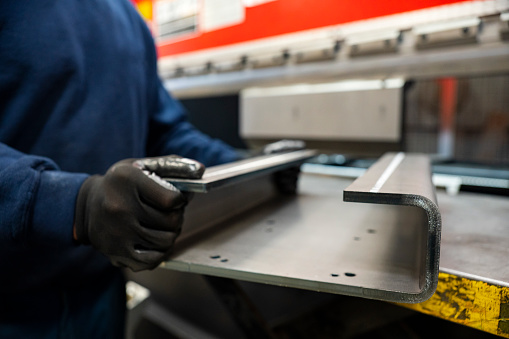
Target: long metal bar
466,60
228,174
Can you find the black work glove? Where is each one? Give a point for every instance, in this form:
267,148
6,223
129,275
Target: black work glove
287,179
130,214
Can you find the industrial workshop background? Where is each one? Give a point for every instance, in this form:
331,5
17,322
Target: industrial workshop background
354,80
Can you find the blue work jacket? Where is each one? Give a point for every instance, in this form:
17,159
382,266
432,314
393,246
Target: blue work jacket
79,91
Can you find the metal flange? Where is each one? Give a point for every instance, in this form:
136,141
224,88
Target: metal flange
405,179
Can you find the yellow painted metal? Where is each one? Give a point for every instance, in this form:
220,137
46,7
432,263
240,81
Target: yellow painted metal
469,302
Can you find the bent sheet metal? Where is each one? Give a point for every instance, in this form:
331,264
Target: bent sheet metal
385,248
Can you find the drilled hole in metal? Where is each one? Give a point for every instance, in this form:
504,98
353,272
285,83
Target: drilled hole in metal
334,275
215,256
224,260
371,231
350,274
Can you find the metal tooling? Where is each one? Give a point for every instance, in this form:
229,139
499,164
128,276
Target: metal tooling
228,174
317,241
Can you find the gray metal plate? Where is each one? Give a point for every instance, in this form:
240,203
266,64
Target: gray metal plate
475,236
316,241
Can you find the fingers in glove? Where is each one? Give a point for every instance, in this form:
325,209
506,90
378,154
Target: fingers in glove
154,219
149,259
139,260
144,252
161,197
149,239
172,166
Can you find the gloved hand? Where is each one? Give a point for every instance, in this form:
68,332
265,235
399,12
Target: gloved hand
130,214
287,179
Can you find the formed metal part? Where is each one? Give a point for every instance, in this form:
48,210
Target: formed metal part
242,170
405,179
224,203
466,250
316,241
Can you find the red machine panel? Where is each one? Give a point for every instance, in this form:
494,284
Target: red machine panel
257,19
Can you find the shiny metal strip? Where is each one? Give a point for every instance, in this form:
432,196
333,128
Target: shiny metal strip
388,172
227,174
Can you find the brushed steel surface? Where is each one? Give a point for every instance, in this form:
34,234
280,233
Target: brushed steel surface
353,110
457,61
317,241
405,179
475,229
475,236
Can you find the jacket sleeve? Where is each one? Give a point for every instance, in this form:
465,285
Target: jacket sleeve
171,133
36,200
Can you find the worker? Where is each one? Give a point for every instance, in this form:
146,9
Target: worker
84,124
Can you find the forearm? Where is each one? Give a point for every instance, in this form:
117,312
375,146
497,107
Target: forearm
185,140
171,133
